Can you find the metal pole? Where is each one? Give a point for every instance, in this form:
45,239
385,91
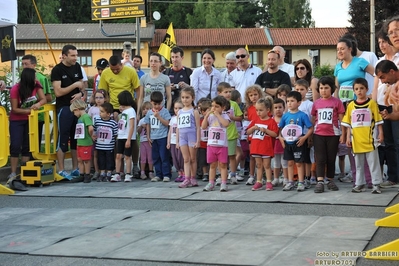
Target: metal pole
372,26
137,36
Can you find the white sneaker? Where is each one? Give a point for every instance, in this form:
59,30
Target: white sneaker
116,178
250,181
128,178
239,177
280,180
143,176
275,182
218,181
241,173
166,179
233,180
155,179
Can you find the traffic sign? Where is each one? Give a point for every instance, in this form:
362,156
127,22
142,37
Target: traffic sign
113,9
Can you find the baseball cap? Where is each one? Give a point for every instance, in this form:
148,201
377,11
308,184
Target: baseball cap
102,63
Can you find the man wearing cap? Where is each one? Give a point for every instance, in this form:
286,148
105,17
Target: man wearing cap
245,74
230,66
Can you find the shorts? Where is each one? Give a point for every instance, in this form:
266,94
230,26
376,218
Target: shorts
84,152
232,146
244,146
216,154
260,156
342,149
66,129
279,162
188,139
106,160
202,157
120,147
294,153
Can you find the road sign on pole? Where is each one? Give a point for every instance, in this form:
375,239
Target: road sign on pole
113,9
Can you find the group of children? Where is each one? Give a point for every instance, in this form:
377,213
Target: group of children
220,134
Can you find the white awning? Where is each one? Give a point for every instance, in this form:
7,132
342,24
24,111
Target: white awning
8,13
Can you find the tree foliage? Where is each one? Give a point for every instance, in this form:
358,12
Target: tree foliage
290,14
48,10
359,12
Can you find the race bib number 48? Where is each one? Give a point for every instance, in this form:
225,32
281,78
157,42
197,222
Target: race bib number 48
291,132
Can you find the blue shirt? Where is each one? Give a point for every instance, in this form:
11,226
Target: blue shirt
356,69
299,118
157,129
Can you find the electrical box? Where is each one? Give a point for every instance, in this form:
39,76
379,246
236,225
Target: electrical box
38,172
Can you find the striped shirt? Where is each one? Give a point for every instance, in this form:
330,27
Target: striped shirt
106,132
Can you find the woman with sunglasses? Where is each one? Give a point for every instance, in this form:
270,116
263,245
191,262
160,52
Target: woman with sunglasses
303,70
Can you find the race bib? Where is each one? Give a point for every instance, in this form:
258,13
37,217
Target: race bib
173,134
291,132
244,128
121,125
154,122
104,135
184,121
204,134
361,118
259,134
324,115
217,136
29,102
346,93
80,131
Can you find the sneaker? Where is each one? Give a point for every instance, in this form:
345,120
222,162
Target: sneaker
307,184
95,175
151,175
346,179
239,177
166,179
143,176
218,181
326,180
205,178
64,174
128,178
11,177
179,179
358,189
289,186
78,179
332,186
75,172
108,177
370,186
155,179
285,182
136,170
313,180
241,173
257,186
209,187
300,187
87,179
280,180
223,187
250,181
102,178
319,188
376,189
233,180
269,186
275,182
186,183
194,182
116,178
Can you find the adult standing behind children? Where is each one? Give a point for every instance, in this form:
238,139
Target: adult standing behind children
273,77
67,81
178,74
155,81
231,65
245,74
205,78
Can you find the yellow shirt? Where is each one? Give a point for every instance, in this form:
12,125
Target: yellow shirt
362,119
126,80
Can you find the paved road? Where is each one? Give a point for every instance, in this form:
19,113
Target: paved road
144,223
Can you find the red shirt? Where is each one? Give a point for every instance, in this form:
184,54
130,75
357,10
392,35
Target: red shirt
261,143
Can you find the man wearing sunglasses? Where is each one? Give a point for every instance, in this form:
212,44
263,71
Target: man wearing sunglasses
245,74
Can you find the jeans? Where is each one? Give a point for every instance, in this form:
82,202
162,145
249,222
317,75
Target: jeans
160,158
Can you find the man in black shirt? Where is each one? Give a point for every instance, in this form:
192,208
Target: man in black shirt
273,77
178,74
67,81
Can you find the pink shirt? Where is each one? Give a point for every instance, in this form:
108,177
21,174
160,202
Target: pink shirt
326,113
14,94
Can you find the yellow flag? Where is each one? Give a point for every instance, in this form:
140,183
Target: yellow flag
168,43
246,48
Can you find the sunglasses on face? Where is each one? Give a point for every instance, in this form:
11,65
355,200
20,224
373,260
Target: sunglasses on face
300,68
241,56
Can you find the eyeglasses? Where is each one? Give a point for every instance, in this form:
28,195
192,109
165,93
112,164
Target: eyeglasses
241,56
99,98
300,68
392,33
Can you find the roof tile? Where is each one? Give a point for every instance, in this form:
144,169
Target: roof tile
306,36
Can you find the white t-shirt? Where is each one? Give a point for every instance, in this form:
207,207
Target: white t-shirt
372,59
306,107
84,74
288,68
244,78
125,118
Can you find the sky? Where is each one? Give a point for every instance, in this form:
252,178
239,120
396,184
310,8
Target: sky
330,13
